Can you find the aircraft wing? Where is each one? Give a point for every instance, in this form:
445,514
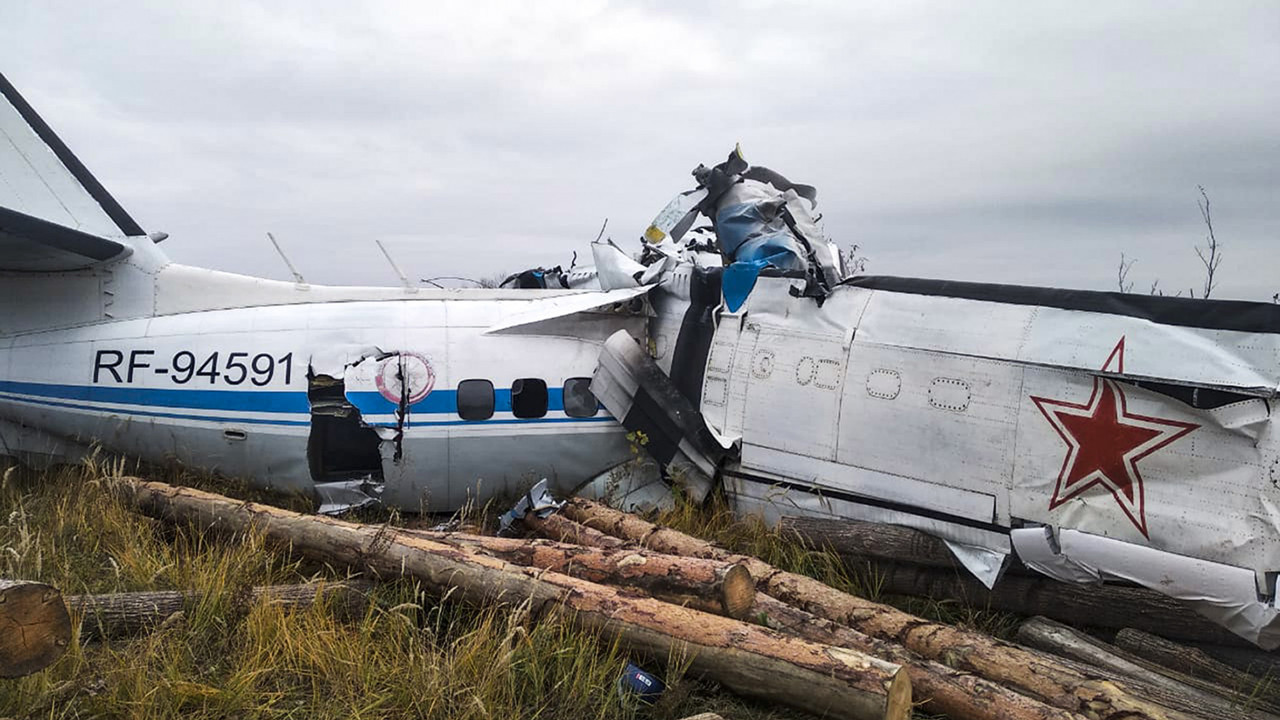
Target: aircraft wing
556,306
54,215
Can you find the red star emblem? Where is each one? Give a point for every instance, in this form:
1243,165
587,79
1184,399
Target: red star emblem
1105,442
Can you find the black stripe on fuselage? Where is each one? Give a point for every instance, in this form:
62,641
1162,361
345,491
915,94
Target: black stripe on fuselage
1236,315
868,501
95,189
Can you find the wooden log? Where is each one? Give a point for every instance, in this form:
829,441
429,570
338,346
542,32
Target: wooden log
1256,662
1028,672
559,527
1198,664
118,614
938,689
730,584
871,541
745,658
35,628
1107,606
1173,690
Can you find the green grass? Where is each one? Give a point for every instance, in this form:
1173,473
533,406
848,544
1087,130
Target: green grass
410,655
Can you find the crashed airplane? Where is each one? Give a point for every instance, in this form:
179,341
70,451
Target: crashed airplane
1095,436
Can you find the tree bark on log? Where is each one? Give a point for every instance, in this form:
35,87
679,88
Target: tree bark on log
558,527
1258,663
117,614
1197,664
938,689
1028,672
663,575
1177,691
35,628
1107,606
871,541
745,658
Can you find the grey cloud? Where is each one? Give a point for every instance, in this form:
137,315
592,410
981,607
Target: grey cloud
1013,143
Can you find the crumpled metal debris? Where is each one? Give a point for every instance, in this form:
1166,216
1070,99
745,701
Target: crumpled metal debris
763,222
537,501
343,496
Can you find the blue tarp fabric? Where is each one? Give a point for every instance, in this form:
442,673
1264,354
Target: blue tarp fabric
755,236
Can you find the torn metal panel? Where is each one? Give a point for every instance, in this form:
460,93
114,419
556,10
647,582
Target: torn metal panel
985,564
537,501
1038,549
343,496
634,486
615,268
1227,595
632,386
763,223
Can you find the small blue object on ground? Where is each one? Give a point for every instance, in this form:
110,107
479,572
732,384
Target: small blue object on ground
644,686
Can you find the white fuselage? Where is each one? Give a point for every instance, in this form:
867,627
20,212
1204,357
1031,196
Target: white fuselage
302,387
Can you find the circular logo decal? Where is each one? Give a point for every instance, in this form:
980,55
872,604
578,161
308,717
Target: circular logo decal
408,374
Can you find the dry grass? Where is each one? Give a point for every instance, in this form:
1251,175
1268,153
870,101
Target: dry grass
410,655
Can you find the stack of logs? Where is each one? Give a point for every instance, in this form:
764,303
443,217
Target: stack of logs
757,630
1158,644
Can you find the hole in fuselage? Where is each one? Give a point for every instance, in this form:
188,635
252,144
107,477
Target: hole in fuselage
340,447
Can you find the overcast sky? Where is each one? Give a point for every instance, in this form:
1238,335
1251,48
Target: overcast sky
1016,142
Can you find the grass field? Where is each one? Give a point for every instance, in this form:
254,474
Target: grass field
409,655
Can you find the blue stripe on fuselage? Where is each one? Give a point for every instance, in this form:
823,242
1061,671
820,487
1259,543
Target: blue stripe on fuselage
243,400
438,402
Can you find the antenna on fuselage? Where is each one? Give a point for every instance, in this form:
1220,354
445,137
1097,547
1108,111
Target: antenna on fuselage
297,276
403,280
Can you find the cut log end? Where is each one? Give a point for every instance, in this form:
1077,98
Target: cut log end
898,705
35,628
738,592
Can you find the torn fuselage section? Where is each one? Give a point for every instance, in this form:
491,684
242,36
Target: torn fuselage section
358,421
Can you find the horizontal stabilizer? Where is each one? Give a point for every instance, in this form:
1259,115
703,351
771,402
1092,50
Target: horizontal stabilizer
54,215
29,244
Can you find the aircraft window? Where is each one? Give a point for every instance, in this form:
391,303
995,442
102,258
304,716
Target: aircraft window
579,401
475,399
529,398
